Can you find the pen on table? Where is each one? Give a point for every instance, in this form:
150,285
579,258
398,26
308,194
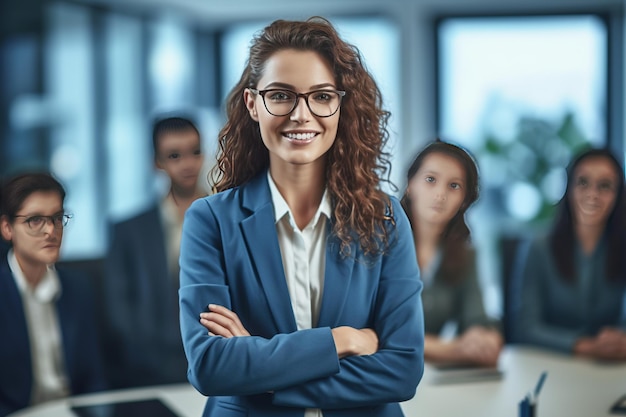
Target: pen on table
542,379
524,406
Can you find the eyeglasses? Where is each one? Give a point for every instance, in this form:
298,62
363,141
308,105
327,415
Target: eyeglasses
322,103
601,186
37,223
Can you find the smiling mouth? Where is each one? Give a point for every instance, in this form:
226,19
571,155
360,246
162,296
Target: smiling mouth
301,136
589,207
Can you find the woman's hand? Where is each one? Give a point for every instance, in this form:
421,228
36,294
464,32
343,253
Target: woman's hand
609,344
479,345
354,342
612,344
221,321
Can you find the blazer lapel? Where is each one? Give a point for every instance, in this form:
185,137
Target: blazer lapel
337,277
259,231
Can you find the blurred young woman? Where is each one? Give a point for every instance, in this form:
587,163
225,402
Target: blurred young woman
574,279
47,321
442,185
300,294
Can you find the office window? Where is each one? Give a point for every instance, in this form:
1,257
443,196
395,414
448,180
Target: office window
523,94
84,111
70,91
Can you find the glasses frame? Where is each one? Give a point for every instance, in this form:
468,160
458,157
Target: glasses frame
297,100
65,218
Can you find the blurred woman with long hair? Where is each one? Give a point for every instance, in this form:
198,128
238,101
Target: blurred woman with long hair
574,279
442,185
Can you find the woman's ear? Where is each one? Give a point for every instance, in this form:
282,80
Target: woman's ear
250,99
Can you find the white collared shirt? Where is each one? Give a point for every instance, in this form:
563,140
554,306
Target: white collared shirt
304,260
49,377
172,233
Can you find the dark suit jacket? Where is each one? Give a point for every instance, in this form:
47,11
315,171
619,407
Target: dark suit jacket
140,298
76,315
230,256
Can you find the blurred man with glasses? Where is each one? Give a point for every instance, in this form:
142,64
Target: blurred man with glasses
50,348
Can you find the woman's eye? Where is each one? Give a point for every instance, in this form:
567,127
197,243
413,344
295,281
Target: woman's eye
581,182
36,221
174,156
605,186
455,186
322,96
430,179
281,96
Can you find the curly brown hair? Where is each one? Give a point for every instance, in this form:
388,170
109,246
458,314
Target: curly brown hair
356,162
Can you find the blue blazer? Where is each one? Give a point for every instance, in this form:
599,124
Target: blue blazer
75,309
140,298
230,256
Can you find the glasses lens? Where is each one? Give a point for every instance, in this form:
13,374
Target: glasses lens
36,223
280,102
324,103
59,221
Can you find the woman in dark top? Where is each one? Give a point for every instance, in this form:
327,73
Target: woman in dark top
442,185
574,278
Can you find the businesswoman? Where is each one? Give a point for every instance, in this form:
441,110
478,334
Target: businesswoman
574,279
50,348
442,183
300,292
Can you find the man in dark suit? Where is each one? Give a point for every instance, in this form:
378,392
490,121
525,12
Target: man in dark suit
143,344
49,346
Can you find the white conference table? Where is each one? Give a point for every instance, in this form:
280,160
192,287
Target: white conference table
574,388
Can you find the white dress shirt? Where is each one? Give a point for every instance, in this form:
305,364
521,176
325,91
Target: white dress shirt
304,260
172,233
49,377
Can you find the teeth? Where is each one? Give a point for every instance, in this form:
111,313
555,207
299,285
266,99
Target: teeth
300,136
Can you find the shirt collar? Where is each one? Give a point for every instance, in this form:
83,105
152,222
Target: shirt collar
49,288
281,208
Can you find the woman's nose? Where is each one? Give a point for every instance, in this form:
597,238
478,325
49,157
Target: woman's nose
301,112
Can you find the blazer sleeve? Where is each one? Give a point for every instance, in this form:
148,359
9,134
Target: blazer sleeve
394,371
238,365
